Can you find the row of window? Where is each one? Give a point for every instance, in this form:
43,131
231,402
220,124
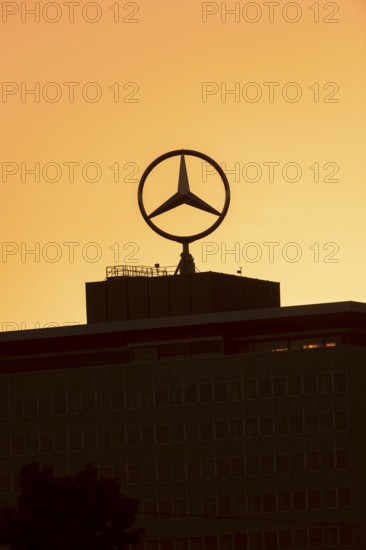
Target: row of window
245,506
238,429
284,463
234,390
239,467
283,539
250,433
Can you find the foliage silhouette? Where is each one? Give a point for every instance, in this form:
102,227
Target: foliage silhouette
69,513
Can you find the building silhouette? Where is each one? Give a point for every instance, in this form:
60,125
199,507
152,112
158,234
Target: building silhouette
237,423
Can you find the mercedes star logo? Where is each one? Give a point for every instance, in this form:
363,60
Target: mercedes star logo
184,196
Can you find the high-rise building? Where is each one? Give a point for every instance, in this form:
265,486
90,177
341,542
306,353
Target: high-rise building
237,423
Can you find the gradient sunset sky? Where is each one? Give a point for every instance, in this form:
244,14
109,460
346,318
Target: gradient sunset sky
275,91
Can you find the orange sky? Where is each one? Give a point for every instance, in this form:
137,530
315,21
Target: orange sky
161,73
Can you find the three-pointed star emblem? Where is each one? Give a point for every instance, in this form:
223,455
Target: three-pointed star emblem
183,196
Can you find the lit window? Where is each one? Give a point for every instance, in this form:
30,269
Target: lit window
279,345
330,341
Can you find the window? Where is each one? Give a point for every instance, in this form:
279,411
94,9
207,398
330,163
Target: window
316,538
252,465
31,407
299,500
329,498
220,393
251,427
223,467
164,471
208,469
341,419
134,473
267,464
324,383
330,341
311,423
294,385
283,463
221,429
166,544
162,435
340,381
279,345
88,402
296,424
312,460
104,405
176,395
265,387
237,466
344,497
194,469
161,397
254,504
179,471
165,510
104,439
209,507
192,432
326,422
224,506
205,391
190,394
146,395
279,387
177,349
46,443
147,435
133,437
309,383
180,508
89,440
75,441
297,462
345,536
330,536
236,428
284,501
207,431
285,540
281,425
145,354
300,538
343,458
266,426
177,431
16,408
269,502
314,499
250,389
270,540
328,460
17,444
234,387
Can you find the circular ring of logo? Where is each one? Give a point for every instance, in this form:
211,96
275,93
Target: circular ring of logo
189,238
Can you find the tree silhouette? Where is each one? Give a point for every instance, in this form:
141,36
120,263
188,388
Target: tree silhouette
69,513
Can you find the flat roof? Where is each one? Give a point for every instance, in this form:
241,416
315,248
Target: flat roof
221,318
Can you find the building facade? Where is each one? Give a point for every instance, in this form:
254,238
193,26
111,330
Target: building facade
239,429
